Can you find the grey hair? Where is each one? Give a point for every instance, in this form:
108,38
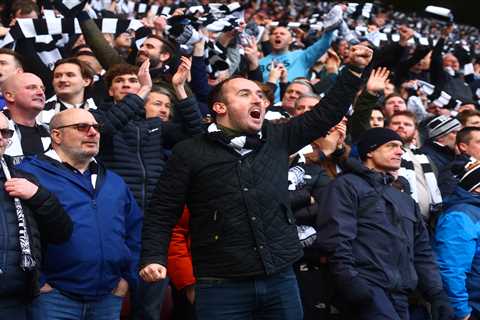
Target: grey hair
307,95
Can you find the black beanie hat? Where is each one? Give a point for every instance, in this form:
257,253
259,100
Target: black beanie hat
374,138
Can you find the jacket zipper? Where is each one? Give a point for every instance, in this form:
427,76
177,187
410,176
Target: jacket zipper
99,229
142,167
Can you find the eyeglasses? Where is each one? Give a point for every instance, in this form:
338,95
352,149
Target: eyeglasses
6,133
82,127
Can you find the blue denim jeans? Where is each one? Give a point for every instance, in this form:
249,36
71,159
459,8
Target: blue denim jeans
148,299
55,306
274,297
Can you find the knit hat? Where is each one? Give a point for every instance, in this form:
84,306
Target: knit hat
373,139
442,125
470,180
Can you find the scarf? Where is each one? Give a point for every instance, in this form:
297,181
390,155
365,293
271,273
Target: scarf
243,144
27,261
407,171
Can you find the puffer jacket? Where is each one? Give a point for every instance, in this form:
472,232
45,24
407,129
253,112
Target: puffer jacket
134,147
46,222
241,222
457,246
375,235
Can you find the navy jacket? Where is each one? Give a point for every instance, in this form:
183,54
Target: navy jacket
105,243
134,147
441,156
375,235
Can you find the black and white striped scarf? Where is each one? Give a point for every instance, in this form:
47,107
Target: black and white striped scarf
27,261
407,170
241,144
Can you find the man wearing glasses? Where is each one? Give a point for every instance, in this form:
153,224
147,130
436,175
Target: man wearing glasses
87,277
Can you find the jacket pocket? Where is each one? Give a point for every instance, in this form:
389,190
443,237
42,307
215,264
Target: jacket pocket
210,230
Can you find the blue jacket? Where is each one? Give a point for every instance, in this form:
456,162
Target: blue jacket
458,251
105,243
298,62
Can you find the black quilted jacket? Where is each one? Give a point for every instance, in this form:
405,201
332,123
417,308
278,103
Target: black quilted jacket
241,221
134,147
47,223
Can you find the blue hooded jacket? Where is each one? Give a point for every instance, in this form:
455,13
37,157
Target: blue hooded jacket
105,243
458,251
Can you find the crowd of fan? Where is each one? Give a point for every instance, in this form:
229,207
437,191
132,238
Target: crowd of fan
151,75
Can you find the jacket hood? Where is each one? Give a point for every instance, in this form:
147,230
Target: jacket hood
461,196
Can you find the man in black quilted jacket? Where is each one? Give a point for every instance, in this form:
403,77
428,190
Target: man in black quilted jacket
233,179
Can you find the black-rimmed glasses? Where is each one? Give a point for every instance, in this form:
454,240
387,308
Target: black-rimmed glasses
82,127
6,133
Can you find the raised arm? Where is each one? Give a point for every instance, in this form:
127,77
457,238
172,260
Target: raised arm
313,124
106,55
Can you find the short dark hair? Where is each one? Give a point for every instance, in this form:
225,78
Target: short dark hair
24,6
85,69
216,95
391,95
466,114
119,70
167,45
405,113
16,57
465,135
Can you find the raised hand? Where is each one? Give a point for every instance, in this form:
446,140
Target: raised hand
360,56
179,78
251,53
378,80
145,79
277,72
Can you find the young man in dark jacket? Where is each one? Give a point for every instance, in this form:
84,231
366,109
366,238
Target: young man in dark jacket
134,142
234,181
43,220
375,236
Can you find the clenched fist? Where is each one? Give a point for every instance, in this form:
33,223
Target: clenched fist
153,272
360,56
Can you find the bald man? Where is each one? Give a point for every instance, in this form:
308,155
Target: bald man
25,99
87,276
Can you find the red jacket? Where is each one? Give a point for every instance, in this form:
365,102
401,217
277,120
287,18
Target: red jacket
179,264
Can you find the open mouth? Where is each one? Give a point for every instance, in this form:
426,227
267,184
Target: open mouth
255,114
